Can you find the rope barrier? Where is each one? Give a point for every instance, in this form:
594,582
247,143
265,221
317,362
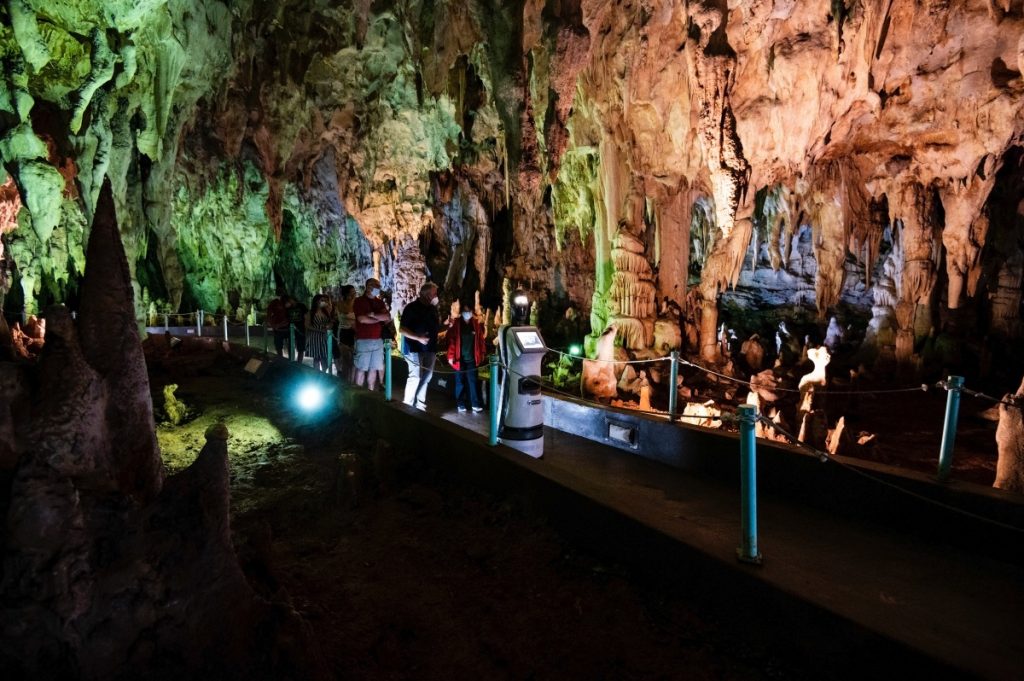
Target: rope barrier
1015,402
825,457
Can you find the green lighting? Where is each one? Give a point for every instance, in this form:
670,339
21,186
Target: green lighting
576,349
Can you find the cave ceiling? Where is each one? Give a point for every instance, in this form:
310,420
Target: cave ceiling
310,144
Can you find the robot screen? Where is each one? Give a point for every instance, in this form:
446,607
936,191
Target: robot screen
529,340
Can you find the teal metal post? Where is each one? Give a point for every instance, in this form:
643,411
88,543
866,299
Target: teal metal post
673,394
247,343
492,400
330,352
264,338
202,317
747,552
225,328
387,371
954,385
199,323
291,342
167,322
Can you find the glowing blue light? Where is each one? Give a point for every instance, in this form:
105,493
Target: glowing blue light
575,350
310,397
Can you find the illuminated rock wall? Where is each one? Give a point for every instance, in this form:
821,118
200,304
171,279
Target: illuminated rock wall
831,154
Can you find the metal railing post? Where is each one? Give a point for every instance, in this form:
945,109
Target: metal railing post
330,352
225,327
291,342
748,552
199,323
953,387
264,338
673,393
492,400
387,371
167,322
247,343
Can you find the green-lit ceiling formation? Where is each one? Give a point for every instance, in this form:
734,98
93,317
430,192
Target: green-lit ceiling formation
605,155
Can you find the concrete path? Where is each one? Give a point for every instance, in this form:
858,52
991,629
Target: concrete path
959,608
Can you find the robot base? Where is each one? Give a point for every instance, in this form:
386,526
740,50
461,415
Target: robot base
534,447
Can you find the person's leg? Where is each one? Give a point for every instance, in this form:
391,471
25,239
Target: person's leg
300,346
461,387
413,382
280,338
474,387
361,362
376,363
426,360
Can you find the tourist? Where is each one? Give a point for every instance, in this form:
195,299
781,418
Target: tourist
346,330
277,321
371,316
321,321
419,328
466,350
297,321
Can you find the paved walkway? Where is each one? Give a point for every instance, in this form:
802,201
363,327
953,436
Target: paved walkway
963,609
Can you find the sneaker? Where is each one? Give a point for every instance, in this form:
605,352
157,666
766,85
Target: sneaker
422,406
462,410
477,410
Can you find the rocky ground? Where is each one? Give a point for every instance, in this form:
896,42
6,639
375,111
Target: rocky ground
405,573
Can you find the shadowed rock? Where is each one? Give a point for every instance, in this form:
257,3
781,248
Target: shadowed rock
106,575
110,344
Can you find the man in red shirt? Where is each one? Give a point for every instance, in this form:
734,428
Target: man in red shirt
277,320
371,316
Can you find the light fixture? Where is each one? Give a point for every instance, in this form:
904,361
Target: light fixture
575,349
521,299
310,397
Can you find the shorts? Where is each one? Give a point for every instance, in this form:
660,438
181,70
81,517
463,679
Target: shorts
369,354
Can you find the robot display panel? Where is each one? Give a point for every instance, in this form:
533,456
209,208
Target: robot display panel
529,340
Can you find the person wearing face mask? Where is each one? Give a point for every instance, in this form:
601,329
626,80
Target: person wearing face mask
419,328
466,351
371,315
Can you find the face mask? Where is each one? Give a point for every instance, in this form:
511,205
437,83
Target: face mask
467,315
374,292
434,300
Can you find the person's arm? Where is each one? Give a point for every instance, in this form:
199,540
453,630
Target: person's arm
409,316
364,313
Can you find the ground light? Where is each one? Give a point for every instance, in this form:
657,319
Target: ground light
310,397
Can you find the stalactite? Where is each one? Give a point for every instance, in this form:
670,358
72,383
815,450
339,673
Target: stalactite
829,228
964,232
910,204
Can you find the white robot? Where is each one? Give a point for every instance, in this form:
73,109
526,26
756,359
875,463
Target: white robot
521,349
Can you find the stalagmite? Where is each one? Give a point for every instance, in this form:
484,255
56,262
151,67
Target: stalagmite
1010,443
598,377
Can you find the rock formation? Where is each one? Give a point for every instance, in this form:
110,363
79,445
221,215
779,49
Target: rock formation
108,567
1010,443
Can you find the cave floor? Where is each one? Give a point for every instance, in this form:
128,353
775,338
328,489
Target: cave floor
416,576
404,572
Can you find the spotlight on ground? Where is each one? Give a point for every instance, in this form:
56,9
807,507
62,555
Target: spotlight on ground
575,350
310,397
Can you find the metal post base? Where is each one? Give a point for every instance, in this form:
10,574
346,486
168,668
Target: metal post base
752,560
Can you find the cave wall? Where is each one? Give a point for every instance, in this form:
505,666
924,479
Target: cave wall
819,154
